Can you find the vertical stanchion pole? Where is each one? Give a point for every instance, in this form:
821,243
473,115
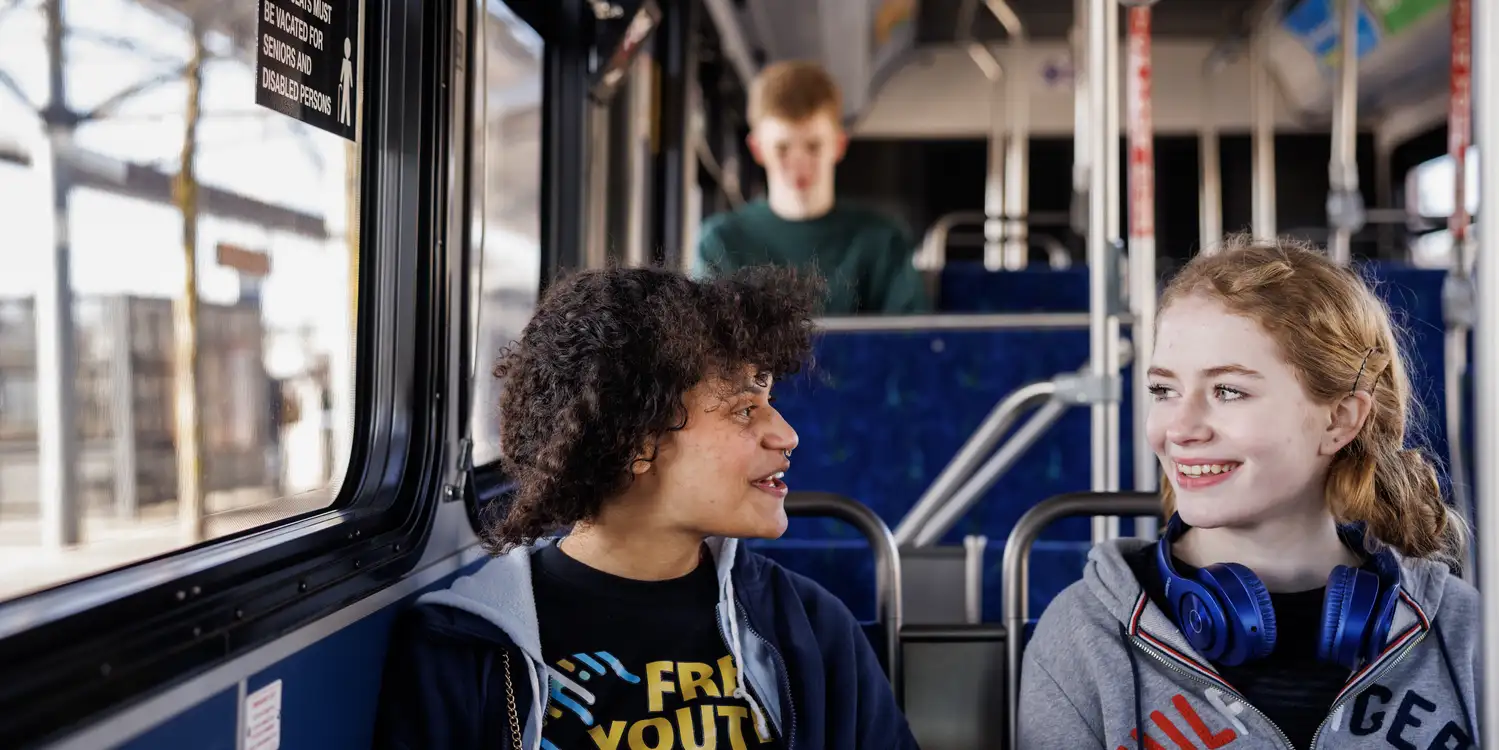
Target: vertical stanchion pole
1082,137
1486,359
1262,141
1103,270
1457,291
1017,151
1345,204
1142,250
1210,167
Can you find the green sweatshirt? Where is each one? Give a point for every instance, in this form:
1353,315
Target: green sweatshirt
865,255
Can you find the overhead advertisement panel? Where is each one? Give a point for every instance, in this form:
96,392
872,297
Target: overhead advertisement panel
1398,15
1316,24
1402,46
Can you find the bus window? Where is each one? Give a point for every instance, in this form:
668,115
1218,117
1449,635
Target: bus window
507,188
167,433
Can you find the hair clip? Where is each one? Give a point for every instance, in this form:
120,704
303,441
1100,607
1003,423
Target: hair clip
1360,374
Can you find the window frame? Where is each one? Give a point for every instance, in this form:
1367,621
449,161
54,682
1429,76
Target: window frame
77,651
566,29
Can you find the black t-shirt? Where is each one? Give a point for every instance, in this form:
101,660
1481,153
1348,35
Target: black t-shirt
644,662
1290,686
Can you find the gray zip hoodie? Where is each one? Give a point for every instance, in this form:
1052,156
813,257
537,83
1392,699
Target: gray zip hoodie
1108,669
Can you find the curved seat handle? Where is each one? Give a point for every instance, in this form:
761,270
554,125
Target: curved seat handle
1017,560
886,559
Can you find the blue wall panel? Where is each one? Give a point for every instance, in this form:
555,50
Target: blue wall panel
329,691
209,725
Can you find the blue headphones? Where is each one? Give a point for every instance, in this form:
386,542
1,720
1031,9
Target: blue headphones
1225,611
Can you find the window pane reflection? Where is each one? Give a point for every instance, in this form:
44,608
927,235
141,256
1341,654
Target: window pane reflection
274,260
508,186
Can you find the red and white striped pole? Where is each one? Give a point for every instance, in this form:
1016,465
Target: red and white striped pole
1459,304
1460,122
1142,246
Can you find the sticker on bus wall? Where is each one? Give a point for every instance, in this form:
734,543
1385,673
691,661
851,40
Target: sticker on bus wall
262,712
307,60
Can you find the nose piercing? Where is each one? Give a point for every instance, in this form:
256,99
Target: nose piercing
786,453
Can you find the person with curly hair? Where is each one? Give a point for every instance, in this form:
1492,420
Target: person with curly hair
637,421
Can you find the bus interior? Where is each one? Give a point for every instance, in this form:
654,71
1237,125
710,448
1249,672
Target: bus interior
279,319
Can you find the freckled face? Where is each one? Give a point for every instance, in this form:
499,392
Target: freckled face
1236,433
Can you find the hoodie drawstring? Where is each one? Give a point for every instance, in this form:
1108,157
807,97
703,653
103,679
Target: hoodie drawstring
761,725
1134,672
1436,627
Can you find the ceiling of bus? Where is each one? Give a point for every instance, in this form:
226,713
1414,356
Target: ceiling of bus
1402,70
937,20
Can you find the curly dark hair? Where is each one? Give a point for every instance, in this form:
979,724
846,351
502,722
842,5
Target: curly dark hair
604,365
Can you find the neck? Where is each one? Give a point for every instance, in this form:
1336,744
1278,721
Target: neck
633,551
1288,554
792,207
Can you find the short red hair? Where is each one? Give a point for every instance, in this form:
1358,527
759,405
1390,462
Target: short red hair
795,91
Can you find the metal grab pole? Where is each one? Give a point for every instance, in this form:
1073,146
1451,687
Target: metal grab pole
1098,242
1142,248
1345,204
1082,137
1486,359
1262,142
1457,292
1210,163
1005,194
994,186
1103,270
1017,151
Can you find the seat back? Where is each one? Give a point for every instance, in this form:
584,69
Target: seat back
885,631
1016,572
954,688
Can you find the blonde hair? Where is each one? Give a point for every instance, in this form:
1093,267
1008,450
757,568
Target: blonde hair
795,91
1338,337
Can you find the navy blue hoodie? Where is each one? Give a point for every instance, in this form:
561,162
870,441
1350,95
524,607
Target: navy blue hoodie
805,667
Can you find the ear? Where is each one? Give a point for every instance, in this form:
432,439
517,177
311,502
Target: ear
1345,421
645,458
754,148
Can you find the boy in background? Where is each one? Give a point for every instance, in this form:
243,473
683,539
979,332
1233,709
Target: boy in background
796,135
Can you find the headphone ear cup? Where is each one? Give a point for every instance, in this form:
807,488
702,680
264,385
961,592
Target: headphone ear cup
1250,616
1348,612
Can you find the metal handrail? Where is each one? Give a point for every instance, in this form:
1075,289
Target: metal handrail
973,452
887,591
1058,257
963,482
933,253
1043,321
1017,561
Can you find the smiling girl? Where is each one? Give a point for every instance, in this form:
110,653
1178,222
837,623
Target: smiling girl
1300,595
